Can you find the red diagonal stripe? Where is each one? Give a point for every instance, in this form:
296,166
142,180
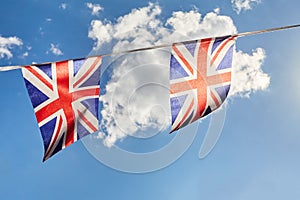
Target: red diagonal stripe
185,116
87,72
41,78
219,50
87,122
215,99
182,58
48,110
58,130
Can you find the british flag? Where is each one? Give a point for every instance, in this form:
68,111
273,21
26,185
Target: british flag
200,75
65,97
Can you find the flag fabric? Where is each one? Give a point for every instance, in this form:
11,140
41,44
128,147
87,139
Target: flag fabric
200,76
65,97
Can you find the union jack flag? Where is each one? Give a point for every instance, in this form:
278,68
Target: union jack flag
65,97
200,75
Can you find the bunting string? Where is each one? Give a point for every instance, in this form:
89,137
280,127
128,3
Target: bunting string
8,68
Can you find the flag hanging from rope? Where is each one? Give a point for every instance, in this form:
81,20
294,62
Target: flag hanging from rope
200,76
65,97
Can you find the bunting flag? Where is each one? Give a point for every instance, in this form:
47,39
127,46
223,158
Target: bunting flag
65,97
200,75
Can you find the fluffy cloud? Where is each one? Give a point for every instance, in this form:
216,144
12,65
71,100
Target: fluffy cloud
55,50
96,8
24,55
138,22
248,76
240,5
131,104
63,6
6,44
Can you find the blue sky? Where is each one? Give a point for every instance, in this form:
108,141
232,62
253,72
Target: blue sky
256,156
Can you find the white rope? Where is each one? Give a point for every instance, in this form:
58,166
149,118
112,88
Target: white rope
8,68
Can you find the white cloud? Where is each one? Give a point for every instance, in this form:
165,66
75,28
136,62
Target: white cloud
55,50
25,54
248,76
217,10
6,44
195,26
131,103
48,19
239,5
63,6
96,8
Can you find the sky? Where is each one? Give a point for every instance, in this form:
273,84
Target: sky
256,156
